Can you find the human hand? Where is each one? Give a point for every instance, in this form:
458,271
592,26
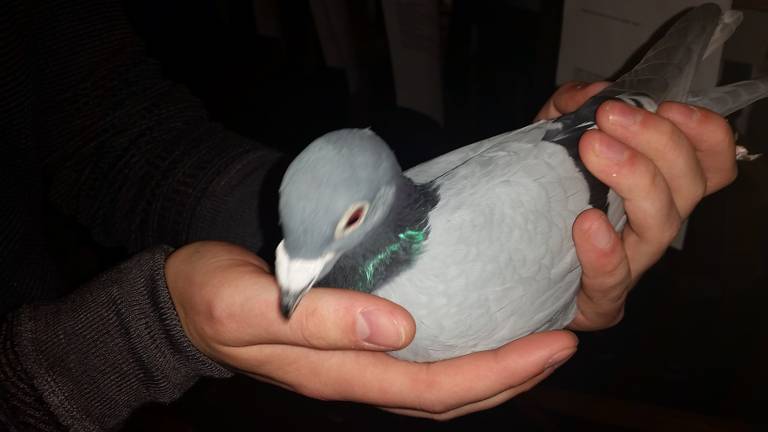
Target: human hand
662,165
227,302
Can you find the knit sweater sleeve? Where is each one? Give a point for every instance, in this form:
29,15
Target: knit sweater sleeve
135,159
85,362
133,155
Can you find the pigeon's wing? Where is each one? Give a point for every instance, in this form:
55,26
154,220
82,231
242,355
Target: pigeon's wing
499,262
729,22
442,165
664,73
667,69
730,98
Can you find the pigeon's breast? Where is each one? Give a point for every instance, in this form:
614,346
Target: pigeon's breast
499,262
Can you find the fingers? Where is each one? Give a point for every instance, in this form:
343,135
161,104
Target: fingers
712,138
664,144
661,165
568,98
436,388
693,148
653,216
605,272
344,319
480,405
328,319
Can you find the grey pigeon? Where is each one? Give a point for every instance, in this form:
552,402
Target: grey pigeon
476,244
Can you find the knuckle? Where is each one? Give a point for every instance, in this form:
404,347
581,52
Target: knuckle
715,132
664,130
722,128
603,318
569,87
648,178
611,291
618,317
569,96
669,230
320,328
607,289
612,274
724,136
431,399
718,178
307,330
219,317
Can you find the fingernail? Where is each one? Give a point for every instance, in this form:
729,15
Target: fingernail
608,148
579,85
558,359
601,235
378,328
621,114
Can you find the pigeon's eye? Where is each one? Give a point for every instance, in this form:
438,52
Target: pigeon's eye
352,219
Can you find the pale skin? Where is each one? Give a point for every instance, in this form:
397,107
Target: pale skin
662,165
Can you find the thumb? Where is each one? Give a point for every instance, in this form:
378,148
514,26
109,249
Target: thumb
605,278
331,318
226,297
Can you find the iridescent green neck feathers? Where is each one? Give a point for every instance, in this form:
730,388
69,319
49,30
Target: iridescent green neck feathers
407,245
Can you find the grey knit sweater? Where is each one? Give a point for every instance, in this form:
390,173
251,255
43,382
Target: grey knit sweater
89,126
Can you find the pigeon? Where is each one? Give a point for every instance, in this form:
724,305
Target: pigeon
476,244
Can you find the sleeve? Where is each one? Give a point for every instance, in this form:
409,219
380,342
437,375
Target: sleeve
136,160
133,156
88,360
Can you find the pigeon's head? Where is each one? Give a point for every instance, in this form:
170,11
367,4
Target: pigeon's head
339,188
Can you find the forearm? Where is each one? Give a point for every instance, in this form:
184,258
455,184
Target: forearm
131,155
90,359
162,175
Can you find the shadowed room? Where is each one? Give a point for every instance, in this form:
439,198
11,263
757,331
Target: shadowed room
432,76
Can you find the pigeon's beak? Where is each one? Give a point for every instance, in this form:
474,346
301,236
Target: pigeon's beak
289,300
296,277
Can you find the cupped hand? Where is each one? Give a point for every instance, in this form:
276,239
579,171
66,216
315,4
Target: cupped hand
662,165
333,346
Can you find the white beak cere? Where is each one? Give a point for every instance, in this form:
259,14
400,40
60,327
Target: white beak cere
296,276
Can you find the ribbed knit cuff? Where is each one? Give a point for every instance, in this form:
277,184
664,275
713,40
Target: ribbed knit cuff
111,346
22,408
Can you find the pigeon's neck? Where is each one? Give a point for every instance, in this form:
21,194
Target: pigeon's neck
403,248
393,245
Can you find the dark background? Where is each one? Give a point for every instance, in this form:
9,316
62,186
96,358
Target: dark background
691,353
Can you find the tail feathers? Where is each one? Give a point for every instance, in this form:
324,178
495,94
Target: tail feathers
730,98
666,71
729,22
